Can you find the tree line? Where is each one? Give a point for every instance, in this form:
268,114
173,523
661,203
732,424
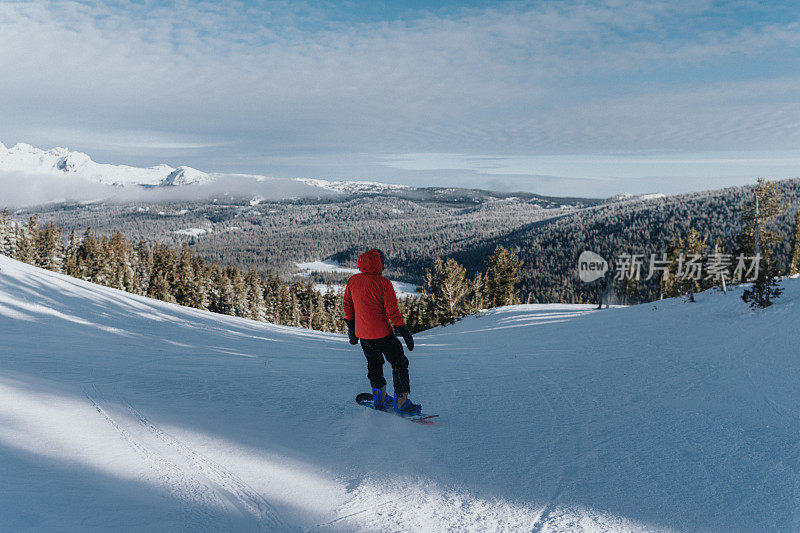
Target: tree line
550,248
273,236
760,237
180,276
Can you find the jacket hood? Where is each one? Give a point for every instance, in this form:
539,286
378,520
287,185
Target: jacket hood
370,262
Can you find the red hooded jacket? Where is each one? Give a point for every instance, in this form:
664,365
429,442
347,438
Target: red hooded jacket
369,298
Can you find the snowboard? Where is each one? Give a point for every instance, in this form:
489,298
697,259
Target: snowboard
365,399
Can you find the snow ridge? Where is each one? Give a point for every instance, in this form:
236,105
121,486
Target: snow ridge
27,159
629,197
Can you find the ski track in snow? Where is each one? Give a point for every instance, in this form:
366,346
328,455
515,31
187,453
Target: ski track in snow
224,482
190,476
119,412
184,486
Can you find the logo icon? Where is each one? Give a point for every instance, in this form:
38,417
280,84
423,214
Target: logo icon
591,266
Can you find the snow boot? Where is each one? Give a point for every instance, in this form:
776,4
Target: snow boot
407,408
376,399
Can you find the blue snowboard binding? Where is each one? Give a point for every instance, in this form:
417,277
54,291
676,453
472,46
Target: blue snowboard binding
407,408
376,400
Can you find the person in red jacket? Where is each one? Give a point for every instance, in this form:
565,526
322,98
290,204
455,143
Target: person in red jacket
370,309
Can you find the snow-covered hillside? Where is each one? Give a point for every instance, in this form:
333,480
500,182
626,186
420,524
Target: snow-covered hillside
628,197
119,412
354,187
26,159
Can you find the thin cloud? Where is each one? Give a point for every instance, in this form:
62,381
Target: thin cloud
284,78
609,166
19,189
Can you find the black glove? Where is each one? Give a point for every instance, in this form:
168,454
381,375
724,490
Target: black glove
351,331
403,330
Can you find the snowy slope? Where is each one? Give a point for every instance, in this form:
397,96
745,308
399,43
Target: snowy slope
628,197
119,412
25,158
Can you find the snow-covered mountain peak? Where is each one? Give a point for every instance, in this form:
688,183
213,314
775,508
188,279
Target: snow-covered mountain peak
69,161
23,147
186,176
76,174
27,159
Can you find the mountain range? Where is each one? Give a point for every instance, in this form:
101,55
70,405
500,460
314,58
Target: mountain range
25,158
95,181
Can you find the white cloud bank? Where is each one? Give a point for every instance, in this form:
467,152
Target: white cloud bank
19,189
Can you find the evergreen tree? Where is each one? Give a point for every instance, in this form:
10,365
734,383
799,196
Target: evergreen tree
159,287
7,246
120,268
766,287
447,289
255,295
47,246
222,297
25,250
759,240
766,205
287,306
162,274
187,289
332,310
71,264
318,320
684,275
88,257
413,310
241,307
794,259
303,308
296,312
272,299
478,300
142,268
502,276
202,281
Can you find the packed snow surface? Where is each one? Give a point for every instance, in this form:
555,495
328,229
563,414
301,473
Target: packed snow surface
123,413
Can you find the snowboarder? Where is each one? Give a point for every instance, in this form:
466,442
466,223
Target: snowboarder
370,307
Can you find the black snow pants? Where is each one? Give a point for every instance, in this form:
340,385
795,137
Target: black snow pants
375,350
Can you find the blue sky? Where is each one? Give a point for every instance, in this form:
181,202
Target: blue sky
587,98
